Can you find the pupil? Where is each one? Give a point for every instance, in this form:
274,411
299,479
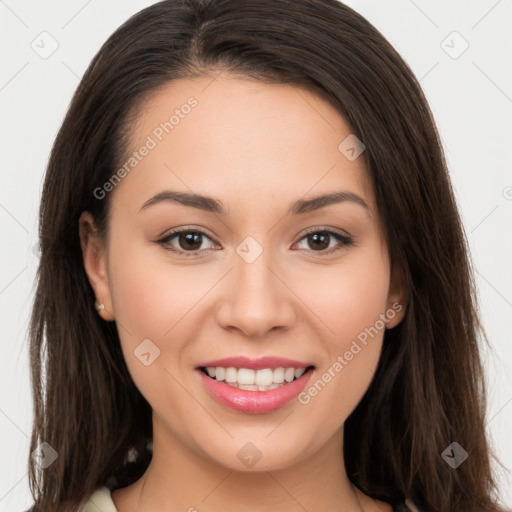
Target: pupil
324,242
190,238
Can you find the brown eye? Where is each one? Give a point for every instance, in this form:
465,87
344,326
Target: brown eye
320,241
184,241
189,240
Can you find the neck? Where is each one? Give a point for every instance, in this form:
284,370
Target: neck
185,479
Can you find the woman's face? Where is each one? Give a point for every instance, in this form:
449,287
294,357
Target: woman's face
259,271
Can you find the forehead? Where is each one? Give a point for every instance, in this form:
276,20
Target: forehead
235,137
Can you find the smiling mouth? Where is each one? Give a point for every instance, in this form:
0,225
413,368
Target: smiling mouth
254,380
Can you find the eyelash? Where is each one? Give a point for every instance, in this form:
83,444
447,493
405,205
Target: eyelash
345,240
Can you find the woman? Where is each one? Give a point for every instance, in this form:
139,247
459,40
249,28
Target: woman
254,290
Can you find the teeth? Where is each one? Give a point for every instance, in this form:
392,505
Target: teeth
248,387
289,374
255,380
231,374
220,373
278,376
264,377
246,376
252,387
299,372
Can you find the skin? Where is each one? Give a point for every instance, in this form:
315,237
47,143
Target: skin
257,148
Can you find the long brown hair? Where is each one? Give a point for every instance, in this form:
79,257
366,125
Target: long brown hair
428,390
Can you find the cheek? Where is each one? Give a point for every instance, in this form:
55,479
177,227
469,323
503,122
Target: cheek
350,297
156,300
149,294
149,300
351,302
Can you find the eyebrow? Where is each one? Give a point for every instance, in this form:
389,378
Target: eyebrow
213,205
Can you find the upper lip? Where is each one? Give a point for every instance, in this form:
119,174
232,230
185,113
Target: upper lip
255,364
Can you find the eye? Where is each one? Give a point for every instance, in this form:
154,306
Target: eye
189,241
320,240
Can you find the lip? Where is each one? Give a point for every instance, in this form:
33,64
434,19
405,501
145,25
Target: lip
255,364
254,402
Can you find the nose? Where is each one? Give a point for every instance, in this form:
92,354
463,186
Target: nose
256,298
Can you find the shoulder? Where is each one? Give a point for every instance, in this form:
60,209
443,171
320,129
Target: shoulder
100,500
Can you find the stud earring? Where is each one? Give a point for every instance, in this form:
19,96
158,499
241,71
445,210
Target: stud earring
99,307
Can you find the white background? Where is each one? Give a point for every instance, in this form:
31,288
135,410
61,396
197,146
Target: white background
471,97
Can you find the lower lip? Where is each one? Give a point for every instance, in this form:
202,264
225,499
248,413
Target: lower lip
254,402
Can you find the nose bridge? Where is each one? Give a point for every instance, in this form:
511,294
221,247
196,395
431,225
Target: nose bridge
255,300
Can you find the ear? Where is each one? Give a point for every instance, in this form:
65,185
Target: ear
398,297
95,263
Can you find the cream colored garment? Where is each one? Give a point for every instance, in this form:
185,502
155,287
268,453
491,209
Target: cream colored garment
100,501
412,507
